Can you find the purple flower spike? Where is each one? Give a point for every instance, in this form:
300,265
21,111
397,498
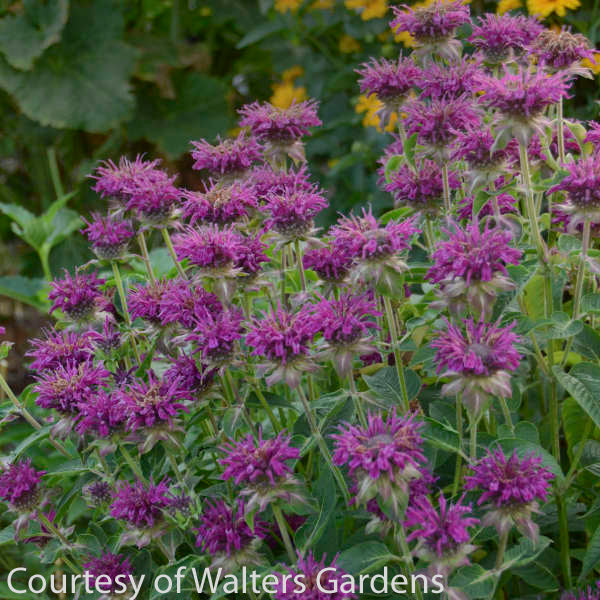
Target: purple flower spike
153,202
184,302
19,486
220,204
265,182
108,236
512,488
587,593
593,134
60,348
329,264
230,157
186,370
100,415
78,296
309,569
250,257
451,81
563,50
144,301
111,565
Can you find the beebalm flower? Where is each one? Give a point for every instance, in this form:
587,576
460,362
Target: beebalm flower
506,205
97,493
503,38
512,489
521,99
250,257
100,415
471,267
442,534
423,188
331,265
593,133
141,507
437,123
108,339
376,249
192,377
108,236
281,129
261,467
433,26
391,81
383,457
345,324
184,302
143,301
284,339
60,348
229,159
153,202
587,593
220,204
111,565
310,570
225,534
582,185
479,358
265,182
454,80
79,296
563,51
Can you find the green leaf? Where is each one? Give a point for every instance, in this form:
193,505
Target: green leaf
7,535
583,384
17,213
364,557
402,212
409,147
25,36
474,580
590,303
568,243
574,420
538,575
82,82
23,289
391,166
261,32
524,552
563,327
385,385
592,555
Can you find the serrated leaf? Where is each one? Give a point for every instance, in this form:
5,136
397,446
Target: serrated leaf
590,303
364,557
474,581
385,385
391,166
592,555
583,384
538,575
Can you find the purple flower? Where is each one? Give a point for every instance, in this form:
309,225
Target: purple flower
185,369
587,593
562,49
153,201
266,182
108,236
251,255
506,204
77,296
141,506
593,134
108,564
223,529
144,300
582,184
329,264
280,125
184,302
219,204
475,147
448,81
503,38
19,485
100,414
97,493
443,532
60,348
422,189
152,404
310,570
64,388
230,157
209,247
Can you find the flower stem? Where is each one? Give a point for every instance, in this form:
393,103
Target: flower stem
407,555
174,466
389,313
561,133
50,526
300,264
276,424
501,548
146,257
506,413
459,429
169,243
132,464
429,237
126,314
357,402
312,421
446,184
473,439
565,551
285,536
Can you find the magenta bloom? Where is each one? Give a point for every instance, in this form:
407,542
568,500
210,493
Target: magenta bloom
144,300
141,506
108,236
475,147
153,201
219,204
310,569
448,81
509,481
593,134
582,184
100,414
443,531
60,348
230,157
77,296
562,49
503,38
329,264
184,302
262,461
19,485
437,21
223,529
587,593
265,182
280,125
64,388
208,247
423,189
185,369
152,404
108,564
473,255
251,255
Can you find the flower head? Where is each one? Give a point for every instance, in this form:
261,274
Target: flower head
97,493
78,296
230,157
59,348
108,564
20,485
265,182
184,302
329,264
221,204
454,80
100,415
587,593
185,369
251,255
144,300
152,201
593,134
563,50
108,236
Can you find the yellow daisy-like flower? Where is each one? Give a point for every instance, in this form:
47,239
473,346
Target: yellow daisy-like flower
292,73
405,38
544,8
370,105
593,66
505,5
368,9
285,94
284,6
348,44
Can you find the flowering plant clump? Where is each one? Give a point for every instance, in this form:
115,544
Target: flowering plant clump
236,378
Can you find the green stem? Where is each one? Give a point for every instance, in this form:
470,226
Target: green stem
506,413
121,291
429,237
389,313
407,555
459,429
565,551
502,542
132,464
300,264
473,439
561,133
169,243
55,173
146,257
239,402
104,464
357,402
163,549
50,526
446,184
285,536
577,457
175,466
261,397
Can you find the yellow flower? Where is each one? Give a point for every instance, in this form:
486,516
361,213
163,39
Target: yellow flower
292,73
544,8
593,66
284,6
348,44
322,5
285,94
370,105
407,39
505,5
368,9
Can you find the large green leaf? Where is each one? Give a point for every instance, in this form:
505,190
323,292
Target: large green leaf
474,580
583,384
22,289
364,557
199,110
83,81
385,385
592,554
25,36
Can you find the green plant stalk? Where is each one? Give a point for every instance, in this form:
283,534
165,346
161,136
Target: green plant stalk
429,237
50,526
163,549
446,184
28,416
55,173
312,421
473,439
261,397
103,464
300,264
506,413
121,291
174,466
146,257
389,313
132,464
565,551
502,542
285,536
45,265
357,403
169,244
239,402
589,426
407,555
561,132
459,429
